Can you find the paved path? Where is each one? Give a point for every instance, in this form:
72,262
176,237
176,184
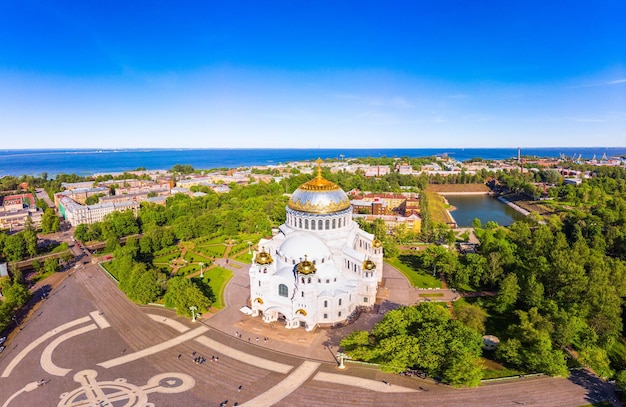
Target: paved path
87,335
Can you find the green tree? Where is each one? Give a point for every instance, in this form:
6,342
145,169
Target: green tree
472,316
181,294
30,241
50,222
14,247
50,265
507,296
145,287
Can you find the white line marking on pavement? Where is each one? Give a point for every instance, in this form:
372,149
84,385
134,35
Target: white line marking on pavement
99,319
29,387
46,355
285,387
154,349
244,357
169,322
39,341
367,384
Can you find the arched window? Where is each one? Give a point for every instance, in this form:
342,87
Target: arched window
309,280
300,223
327,224
283,291
334,223
302,280
319,224
325,304
339,301
313,224
306,223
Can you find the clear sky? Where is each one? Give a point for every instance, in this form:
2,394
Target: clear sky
309,74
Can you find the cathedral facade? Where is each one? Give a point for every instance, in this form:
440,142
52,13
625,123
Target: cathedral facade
320,267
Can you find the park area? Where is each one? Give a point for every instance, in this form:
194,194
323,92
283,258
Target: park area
195,260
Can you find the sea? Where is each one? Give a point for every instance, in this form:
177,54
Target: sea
87,162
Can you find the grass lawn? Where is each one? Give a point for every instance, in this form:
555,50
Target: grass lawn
166,258
109,267
437,207
167,250
215,250
216,240
494,370
417,277
217,278
196,258
190,268
245,258
41,275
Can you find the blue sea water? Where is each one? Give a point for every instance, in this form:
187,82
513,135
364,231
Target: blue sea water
87,161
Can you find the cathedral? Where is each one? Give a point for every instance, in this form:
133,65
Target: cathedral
321,267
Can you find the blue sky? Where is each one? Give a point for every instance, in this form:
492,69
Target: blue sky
312,74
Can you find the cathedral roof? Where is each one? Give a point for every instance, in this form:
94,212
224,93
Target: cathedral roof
298,245
319,196
263,258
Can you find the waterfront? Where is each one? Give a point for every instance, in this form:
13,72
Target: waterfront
483,207
86,162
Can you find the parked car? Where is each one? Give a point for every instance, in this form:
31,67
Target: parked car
2,348
4,338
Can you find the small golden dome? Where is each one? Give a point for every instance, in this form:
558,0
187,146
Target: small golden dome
306,267
377,243
369,265
263,258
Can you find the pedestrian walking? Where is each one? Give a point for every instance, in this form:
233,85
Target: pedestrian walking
239,389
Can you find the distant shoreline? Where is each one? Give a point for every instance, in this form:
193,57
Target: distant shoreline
86,162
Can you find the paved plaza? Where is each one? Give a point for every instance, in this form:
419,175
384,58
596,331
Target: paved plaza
87,345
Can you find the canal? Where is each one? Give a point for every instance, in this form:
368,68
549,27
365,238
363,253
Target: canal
483,207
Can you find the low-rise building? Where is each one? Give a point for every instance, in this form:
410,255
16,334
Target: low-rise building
80,195
77,214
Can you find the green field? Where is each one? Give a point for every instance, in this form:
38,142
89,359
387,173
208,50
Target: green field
196,258
217,278
418,278
165,259
245,258
215,250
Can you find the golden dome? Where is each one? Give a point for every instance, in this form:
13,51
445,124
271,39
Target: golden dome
377,243
319,195
306,267
369,265
263,258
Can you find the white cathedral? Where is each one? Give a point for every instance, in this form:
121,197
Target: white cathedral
320,266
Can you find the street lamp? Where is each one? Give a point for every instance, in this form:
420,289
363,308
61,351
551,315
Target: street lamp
342,356
193,310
